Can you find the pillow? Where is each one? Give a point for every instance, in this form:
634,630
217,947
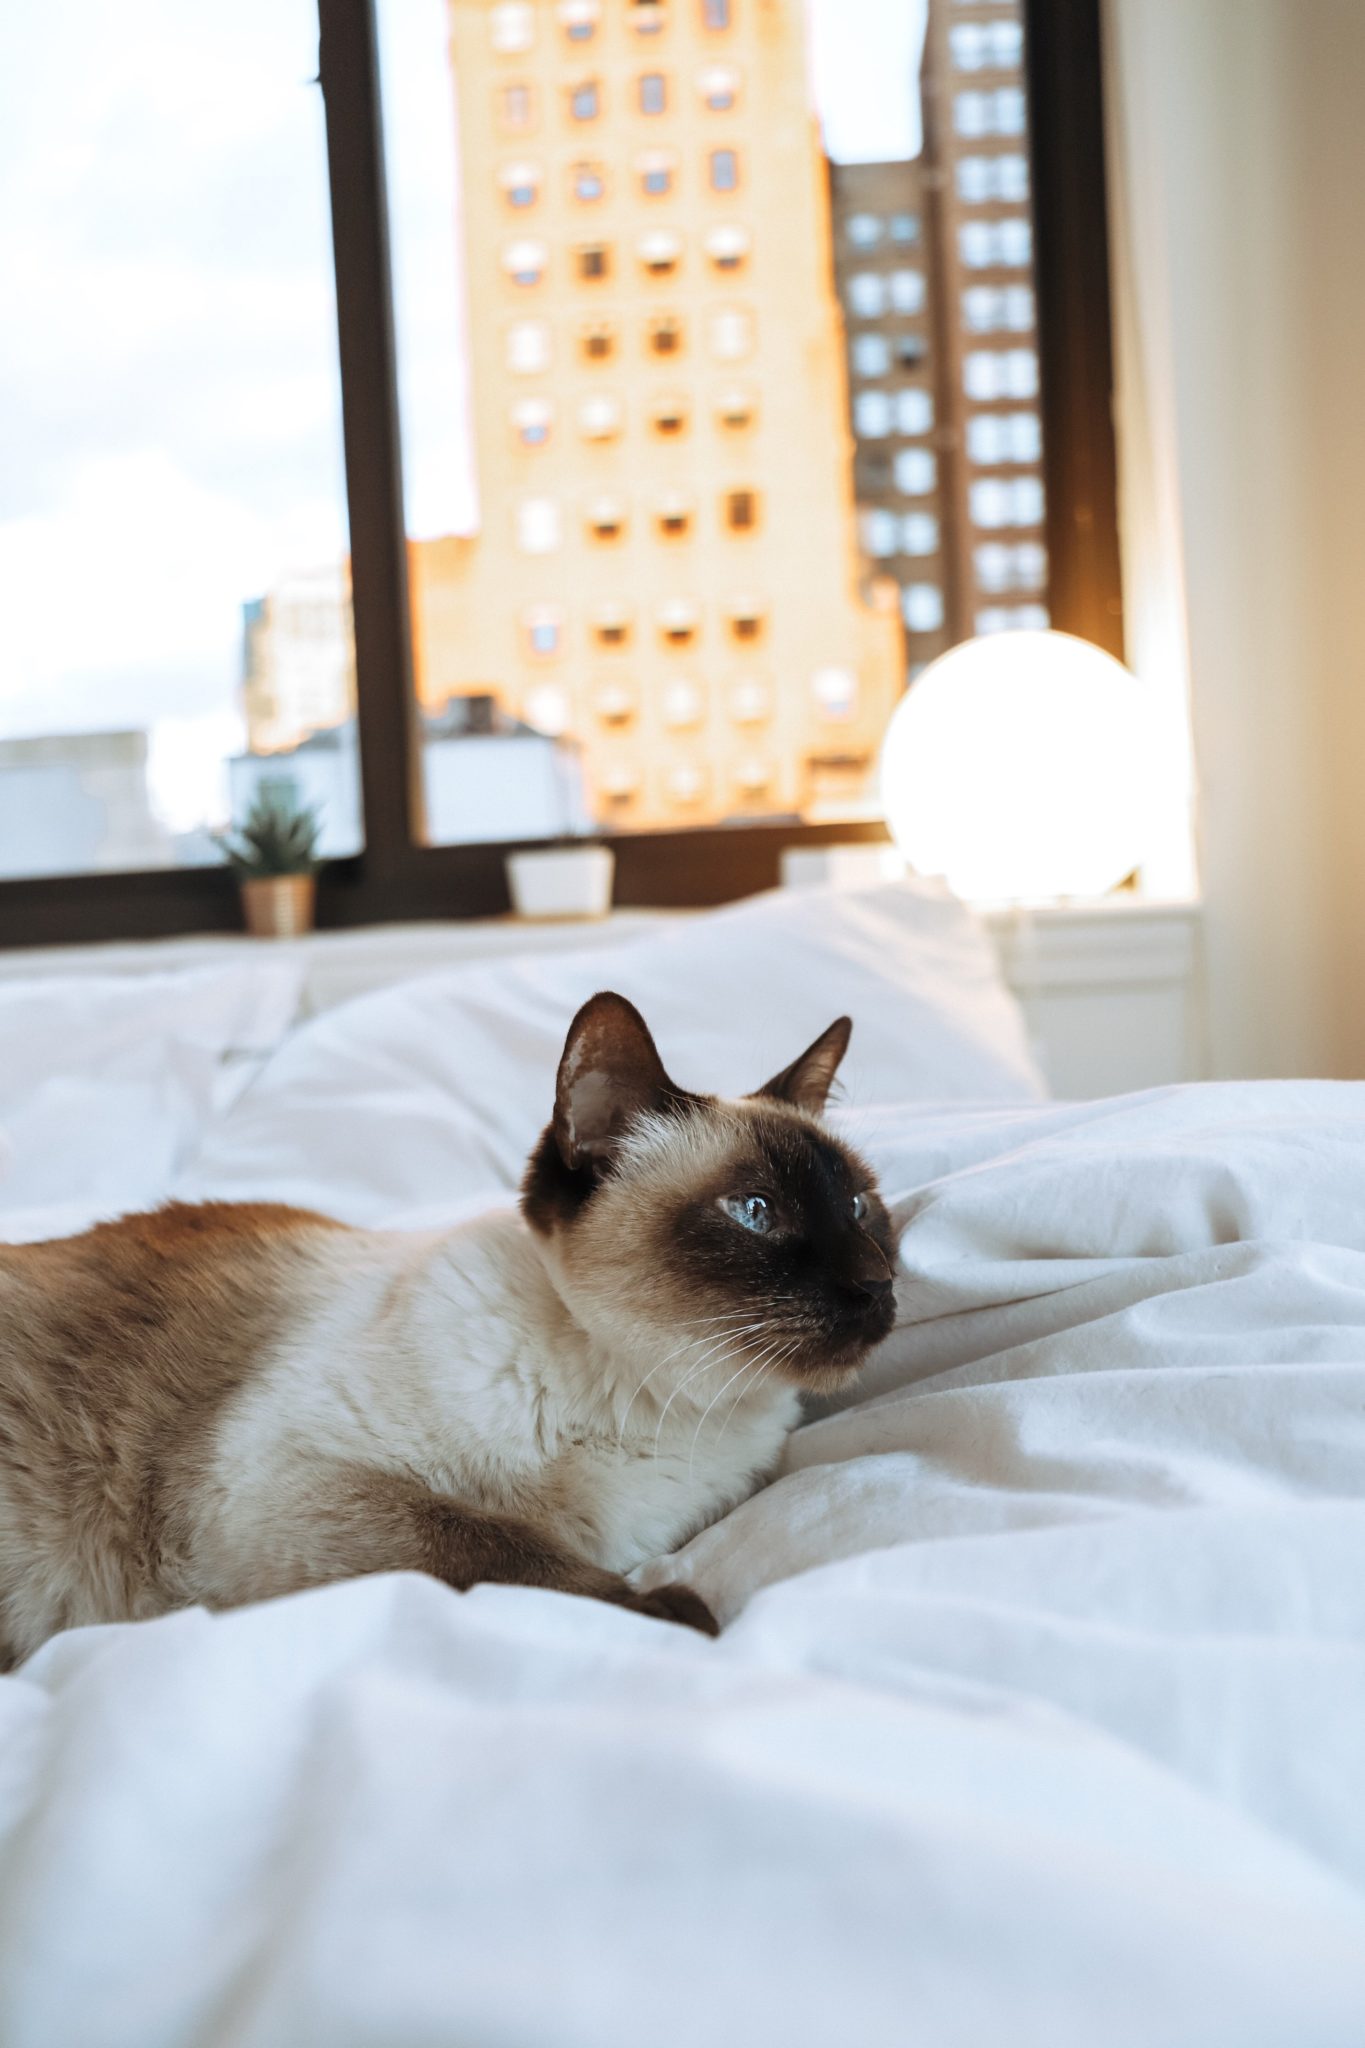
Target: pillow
107,1080
415,1100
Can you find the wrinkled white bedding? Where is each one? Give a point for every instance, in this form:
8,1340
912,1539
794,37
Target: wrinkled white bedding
1039,1717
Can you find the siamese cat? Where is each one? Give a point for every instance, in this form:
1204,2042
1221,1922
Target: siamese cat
220,1403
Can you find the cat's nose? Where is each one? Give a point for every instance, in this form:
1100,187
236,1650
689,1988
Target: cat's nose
868,1272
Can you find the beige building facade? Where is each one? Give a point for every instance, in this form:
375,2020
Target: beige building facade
667,564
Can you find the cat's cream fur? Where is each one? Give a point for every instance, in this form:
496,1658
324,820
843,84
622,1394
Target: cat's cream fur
224,1403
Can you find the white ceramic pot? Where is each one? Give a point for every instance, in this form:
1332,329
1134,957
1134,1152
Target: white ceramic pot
562,881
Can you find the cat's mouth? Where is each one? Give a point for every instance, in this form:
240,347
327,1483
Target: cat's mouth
830,1350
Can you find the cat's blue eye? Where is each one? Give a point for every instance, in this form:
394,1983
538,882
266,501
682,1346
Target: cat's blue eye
755,1212
861,1208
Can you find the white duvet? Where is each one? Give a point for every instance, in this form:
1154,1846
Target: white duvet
1038,1718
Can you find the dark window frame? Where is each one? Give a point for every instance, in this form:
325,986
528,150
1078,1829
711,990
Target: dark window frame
397,878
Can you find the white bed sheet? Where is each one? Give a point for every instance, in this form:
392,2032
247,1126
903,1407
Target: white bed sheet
1039,1716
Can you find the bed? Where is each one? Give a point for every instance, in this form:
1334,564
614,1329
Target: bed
1038,1715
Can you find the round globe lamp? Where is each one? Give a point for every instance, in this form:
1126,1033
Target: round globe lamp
1018,766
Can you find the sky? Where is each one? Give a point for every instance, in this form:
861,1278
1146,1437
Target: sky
169,406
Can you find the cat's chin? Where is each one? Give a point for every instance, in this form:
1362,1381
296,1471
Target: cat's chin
828,1375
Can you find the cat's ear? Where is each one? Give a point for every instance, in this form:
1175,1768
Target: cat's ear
610,1072
807,1081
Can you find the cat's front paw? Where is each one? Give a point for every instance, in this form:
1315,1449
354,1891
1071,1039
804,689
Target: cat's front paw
677,1603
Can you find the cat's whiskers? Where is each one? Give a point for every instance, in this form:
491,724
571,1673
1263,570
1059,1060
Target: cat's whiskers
723,1337
749,1365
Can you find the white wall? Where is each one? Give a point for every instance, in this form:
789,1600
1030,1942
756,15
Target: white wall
1238,154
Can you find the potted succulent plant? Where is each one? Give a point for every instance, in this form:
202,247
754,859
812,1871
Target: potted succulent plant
274,855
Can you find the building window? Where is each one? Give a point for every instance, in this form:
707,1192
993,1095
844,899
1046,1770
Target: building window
620,783
597,341
579,19
585,100
528,347
531,421
996,309
904,228
987,45
736,409
512,26
520,184
589,183
746,616
880,532
673,516
724,170
614,703
606,519
728,247
750,701
592,261
922,607
665,334
914,412
871,355
599,418
867,294
1006,501
715,14
525,262
719,88
919,533
516,106
981,179
656,170
686,783
996,244
994,437
669,416
989,374
753,776
660,252
611,625
989,113
678,621
835,692
872,415
910,350
916,472
731,335
538,526
647,17
544,626
864,230
741,510
653,92
1018,618
683,705
906,289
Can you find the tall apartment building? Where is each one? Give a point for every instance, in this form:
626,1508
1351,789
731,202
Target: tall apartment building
935,265
667,563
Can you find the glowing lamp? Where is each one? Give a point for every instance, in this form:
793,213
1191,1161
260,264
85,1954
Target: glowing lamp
1019,767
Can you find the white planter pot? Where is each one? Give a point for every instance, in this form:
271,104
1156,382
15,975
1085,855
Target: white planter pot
562,881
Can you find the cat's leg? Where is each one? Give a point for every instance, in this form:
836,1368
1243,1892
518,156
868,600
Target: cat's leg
363,1520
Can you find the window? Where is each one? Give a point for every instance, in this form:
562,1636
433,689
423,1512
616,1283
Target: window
592,261
606,519
741,510
683,704
864,230
599,418
716,13
835,692
528,347
538,526
916,472
867,294
520,184
611,625
589,183
647,17
664,334
981,179
1006,501
910,350
919,534
922,607
524,262
727,247
872,415
987,46
914,412
1019,618
660,252
544,626
585,100
512,26
653,92
750,701
904,228
614,703
1000,373
995,437
597,341
686,784
990,113
724,170
580,19
656,170
871,355
678,621
746,616
736,409
719,88
531,421
731,335
997,309
1002,567
906,288
516,106
880,531
995,243
673,516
